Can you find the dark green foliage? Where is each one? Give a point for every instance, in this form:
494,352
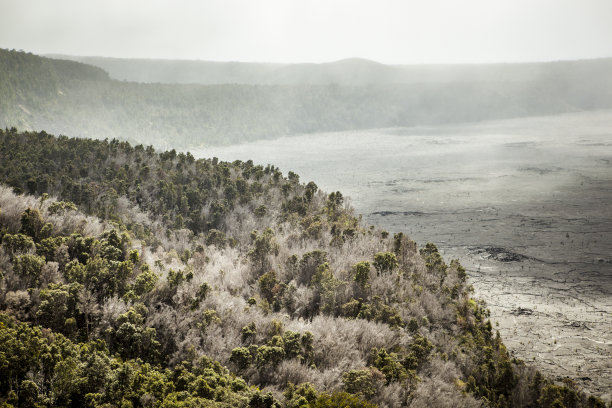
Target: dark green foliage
359,382
269,355
361,271
48,247
413,325
17,243
308,265
433,261
269,286
175,278
292,345
341,400
216,237
58,306
289,345
311,190
375,310
300,396
326,285
132,339
86,375
420,349
389,365
201,294
59,207
297,205
249,332
241,356
28,267
31,223
461,274
261,211
263,245
263,401
566,395
385,262
334,203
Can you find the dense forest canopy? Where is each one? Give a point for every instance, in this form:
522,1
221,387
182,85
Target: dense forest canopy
67,97
136,278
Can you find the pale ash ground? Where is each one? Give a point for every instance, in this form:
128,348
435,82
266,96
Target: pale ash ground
525,204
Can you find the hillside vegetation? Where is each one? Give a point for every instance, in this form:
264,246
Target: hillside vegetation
132,278
67,97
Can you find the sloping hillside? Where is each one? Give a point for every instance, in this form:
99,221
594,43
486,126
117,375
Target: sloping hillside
185,269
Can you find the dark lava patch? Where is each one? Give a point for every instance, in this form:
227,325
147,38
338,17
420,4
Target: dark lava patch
499,254
405,213
522,311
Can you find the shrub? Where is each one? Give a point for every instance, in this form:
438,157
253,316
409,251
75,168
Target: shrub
385,262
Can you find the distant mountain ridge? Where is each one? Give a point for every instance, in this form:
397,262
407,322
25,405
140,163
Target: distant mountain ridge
77,99
175,71
349,71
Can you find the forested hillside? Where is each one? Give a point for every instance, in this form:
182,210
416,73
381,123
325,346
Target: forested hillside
178,72
134,278
65,97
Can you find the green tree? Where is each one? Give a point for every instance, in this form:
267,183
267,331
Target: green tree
264,244
28,267
341,400
17,243
361,273
31,223
241,357
54,305
359,382
385,262
310,191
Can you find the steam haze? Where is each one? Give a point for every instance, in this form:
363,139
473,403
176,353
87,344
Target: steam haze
394,32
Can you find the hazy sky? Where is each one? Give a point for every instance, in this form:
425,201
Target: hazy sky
390,31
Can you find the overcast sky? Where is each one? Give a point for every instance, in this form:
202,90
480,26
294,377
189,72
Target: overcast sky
389,31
